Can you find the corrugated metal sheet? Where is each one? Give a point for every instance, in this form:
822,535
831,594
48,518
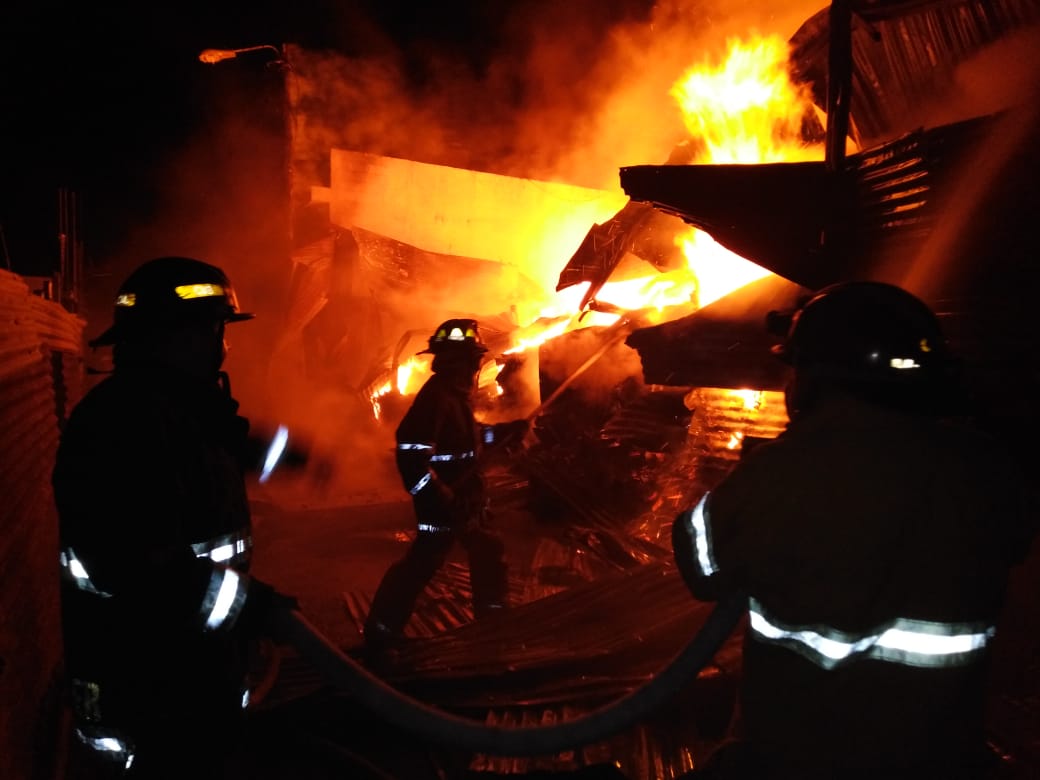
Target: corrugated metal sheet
602,610
905,55
40,378
724,344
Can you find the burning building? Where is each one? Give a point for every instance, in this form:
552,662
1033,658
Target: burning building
628,323
639,324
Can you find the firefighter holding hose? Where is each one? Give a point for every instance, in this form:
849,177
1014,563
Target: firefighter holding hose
158,609
439,442
874,539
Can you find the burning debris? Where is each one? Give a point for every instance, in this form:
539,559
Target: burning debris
484,244
642,366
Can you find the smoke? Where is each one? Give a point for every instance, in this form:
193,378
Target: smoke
570,94
1001,76
562,92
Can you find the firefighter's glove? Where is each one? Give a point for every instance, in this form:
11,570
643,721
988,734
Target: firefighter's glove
263,602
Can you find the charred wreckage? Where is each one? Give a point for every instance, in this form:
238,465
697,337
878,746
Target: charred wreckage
605,661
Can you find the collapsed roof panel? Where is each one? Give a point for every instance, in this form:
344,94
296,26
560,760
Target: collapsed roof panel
811,225
638,229
725,344
532,225
772,214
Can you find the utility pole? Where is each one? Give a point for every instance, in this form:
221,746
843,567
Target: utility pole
839,83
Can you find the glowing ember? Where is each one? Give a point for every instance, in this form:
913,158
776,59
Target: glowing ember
752,399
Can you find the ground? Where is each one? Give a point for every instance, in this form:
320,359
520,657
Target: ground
331,550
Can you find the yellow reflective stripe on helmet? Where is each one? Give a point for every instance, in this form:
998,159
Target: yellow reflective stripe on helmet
126,299
190,291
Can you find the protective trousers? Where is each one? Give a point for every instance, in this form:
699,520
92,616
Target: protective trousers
399,590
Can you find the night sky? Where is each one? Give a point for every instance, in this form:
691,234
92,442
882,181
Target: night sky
96,97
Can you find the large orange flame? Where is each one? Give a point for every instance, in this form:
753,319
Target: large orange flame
747,109
742,110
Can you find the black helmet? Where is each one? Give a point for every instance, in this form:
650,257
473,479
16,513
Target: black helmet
868,333
171,291
458,336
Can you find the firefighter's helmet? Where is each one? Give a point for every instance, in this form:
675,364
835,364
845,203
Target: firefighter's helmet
170,291
868,332
457,336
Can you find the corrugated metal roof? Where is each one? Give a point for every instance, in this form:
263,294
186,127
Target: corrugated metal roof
905,56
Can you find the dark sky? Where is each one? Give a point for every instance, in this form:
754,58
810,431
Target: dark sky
94,96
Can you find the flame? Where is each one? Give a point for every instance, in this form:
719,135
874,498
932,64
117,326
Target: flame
743,110
408,378
658,292
752,399
375,395
411,374
488,376
747,110
717,270
539,337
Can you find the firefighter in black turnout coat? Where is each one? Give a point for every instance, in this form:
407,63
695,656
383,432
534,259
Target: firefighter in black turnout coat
438,446
157,604
874,541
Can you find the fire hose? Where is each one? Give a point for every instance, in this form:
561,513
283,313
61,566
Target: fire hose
444,728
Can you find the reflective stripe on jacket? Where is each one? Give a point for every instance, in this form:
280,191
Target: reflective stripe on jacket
874,548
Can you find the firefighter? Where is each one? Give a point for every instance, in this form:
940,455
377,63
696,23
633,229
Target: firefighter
439,443
158,609
873,540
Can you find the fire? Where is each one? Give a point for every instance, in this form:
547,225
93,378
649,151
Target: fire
539,337
747,110
717,270
744,110
375,395
411,374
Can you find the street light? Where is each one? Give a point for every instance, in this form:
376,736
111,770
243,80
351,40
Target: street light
281,62
213,56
